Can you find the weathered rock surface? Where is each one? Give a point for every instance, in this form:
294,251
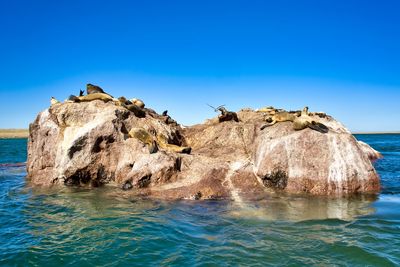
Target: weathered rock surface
369,151
87,144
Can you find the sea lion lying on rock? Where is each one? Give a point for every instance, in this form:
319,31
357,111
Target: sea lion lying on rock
91,97
124,101
138,111
153,142
145,137
93,89
137,102
299,122
227,115
269,110
163,143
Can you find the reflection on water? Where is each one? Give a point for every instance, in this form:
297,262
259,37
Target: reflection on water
106,202
293,208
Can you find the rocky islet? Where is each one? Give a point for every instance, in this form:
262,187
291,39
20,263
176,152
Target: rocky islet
88,144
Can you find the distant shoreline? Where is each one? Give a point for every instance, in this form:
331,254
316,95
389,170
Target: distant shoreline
14,133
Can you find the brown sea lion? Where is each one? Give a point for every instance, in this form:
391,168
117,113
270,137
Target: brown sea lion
138,111
125,101
137,102
153,142
227,115
300,121
95,96
163,143
145,137
92,89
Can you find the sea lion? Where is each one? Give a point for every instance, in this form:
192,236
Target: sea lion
270,110
93,89
154,142
54,101
305,112
137,102
124,101
227,115
301,120
165,113
95,96
81,92
279,117
163,143
138,111
145,137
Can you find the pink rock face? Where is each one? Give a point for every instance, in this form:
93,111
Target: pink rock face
87,144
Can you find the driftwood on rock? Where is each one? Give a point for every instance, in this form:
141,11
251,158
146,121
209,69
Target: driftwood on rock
88,144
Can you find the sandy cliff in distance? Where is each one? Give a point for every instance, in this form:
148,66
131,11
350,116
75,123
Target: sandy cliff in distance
89,144
14,133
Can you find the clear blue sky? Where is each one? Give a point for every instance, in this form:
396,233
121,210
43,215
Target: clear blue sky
342,57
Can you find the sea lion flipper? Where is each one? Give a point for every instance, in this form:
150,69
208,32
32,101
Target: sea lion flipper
318,127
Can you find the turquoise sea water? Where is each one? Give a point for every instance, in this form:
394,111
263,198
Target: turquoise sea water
101,227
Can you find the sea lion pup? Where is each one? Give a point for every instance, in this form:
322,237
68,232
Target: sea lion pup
145,137
54,101
137,102
163,143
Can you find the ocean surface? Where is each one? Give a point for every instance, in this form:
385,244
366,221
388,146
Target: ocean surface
78,227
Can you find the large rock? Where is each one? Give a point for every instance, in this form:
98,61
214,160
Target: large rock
87,144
